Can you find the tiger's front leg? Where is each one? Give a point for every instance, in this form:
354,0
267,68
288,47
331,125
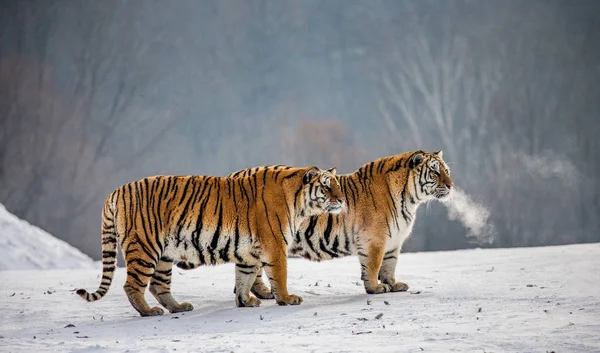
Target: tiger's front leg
244,278
370,263
275,265
260,288
388,270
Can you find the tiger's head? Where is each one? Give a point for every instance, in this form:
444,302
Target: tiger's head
424,175
431,175
322,192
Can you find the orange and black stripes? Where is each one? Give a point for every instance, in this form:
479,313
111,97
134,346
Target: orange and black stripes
382,198
202,220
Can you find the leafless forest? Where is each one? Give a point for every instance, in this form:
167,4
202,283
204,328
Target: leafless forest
94,94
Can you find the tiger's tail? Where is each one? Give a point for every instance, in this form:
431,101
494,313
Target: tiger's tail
109,254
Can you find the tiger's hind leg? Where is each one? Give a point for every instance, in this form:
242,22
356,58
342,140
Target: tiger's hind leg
260,289
138,275
140,261
388,270
160,287
244,278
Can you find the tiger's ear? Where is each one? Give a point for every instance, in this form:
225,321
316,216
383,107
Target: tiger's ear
439,153
310,174
332,170
415,160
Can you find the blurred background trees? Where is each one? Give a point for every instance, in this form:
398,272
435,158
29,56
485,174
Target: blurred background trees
96,94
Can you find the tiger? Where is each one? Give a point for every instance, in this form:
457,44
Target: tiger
382,198
209,220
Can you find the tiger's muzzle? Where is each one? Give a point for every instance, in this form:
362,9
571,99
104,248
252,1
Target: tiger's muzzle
443,192
335,207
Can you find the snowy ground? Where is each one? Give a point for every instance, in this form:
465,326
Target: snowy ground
25,246
505,300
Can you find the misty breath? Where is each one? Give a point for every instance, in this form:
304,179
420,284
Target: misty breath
473,216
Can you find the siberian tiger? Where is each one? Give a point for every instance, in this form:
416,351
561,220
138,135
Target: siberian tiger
382,198
205,220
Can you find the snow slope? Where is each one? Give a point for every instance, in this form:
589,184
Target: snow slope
24,246
498,300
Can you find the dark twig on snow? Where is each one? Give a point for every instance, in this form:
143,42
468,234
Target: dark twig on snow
361,332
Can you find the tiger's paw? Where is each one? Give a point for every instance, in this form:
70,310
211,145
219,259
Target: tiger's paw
155,311
379,288
290,300
182,307
399,287
263,293
252,302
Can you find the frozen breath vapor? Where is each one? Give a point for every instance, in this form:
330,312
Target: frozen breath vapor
473,216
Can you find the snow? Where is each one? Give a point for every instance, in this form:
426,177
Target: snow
493,300
25,247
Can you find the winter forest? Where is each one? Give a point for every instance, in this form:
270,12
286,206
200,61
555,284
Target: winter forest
94,94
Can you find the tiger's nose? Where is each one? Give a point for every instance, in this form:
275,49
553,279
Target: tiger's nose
449,185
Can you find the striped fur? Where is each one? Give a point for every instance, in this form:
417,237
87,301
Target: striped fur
204,220
382,200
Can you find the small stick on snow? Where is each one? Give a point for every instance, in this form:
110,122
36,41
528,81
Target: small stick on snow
361,332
